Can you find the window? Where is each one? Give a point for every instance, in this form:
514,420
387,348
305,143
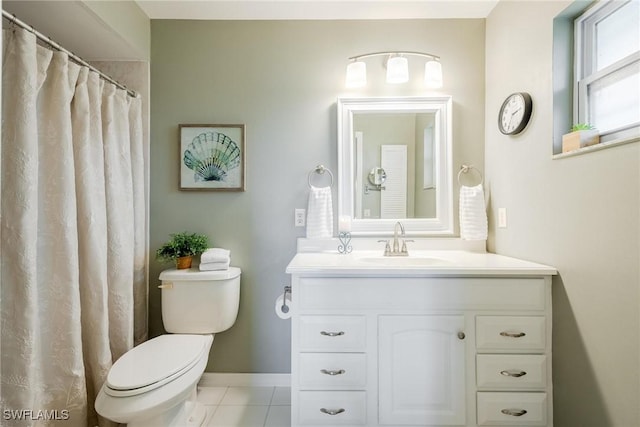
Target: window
607,69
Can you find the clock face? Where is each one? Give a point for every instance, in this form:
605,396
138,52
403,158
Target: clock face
515,113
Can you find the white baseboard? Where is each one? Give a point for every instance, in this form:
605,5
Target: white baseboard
215,379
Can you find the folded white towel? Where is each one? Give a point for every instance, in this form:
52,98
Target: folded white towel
473,213
213,266
319,213
215,255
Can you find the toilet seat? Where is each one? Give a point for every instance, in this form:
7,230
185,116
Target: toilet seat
155,363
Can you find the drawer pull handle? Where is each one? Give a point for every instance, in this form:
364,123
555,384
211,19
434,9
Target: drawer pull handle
331,411
331,334
511,373
512,334
514,412
333,373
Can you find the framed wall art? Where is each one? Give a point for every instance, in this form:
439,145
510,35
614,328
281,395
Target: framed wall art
212,157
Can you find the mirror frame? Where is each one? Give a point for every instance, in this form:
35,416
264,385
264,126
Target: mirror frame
441,106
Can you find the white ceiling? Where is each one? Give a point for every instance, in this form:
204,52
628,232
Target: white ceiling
63,20
315,9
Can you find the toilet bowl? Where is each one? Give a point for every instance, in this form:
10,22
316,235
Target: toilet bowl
155,383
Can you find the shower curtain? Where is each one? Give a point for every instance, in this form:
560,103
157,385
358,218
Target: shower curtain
73,224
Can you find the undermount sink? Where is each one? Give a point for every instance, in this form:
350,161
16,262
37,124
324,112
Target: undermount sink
402,261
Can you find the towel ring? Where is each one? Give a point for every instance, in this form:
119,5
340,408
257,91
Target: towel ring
320,169
466,169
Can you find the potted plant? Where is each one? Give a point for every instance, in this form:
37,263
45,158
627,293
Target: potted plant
181,248
581,135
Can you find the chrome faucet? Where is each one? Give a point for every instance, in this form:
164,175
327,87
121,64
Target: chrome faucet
395,238
396,249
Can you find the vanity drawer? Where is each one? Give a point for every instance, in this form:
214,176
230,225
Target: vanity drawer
332,408
512,409
512,333
511,371
334,371
332,333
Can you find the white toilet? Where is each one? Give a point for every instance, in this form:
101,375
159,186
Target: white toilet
154,384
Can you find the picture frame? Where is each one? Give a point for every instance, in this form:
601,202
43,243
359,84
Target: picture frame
212,157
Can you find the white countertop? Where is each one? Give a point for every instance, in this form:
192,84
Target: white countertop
419,263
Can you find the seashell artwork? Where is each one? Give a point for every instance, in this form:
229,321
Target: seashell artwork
211,155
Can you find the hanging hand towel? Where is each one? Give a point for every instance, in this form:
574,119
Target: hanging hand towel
473,213
319,213
215,255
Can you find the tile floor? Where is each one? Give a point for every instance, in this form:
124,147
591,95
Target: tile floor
246,406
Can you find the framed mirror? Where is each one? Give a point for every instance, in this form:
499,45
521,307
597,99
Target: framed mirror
410,138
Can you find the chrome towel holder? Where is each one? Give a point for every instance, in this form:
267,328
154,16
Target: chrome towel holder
320,170
466,169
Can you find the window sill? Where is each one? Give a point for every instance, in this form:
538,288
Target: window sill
597,147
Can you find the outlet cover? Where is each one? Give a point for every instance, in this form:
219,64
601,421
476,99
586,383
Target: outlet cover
300,217
502,217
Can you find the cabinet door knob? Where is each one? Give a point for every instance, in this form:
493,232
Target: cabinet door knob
331,334
513,373
333,373
331,411
512,334
461,335
514,412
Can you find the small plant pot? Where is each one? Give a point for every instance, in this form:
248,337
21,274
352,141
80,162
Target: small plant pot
184,262
579,139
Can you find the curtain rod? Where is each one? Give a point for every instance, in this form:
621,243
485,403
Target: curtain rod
72,55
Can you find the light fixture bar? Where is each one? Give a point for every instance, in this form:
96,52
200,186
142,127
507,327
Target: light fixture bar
397,68
394,52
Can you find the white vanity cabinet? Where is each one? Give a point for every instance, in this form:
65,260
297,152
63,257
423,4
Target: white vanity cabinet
418,347
421,370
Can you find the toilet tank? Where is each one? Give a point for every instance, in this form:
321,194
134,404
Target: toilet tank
199,302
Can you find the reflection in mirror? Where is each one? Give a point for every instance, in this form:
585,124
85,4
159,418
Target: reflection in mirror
407,139
377,176
403,144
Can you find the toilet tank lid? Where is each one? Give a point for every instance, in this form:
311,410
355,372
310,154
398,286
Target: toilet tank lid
194,274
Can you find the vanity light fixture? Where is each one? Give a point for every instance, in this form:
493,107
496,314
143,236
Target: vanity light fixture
356,74
397,66
397,69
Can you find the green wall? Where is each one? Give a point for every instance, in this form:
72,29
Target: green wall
580,214
281,79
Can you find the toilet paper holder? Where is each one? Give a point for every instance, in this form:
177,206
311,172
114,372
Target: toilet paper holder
285,307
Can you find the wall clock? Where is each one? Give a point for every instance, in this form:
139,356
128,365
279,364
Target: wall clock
515,113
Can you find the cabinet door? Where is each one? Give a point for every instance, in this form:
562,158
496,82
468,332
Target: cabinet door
421,370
